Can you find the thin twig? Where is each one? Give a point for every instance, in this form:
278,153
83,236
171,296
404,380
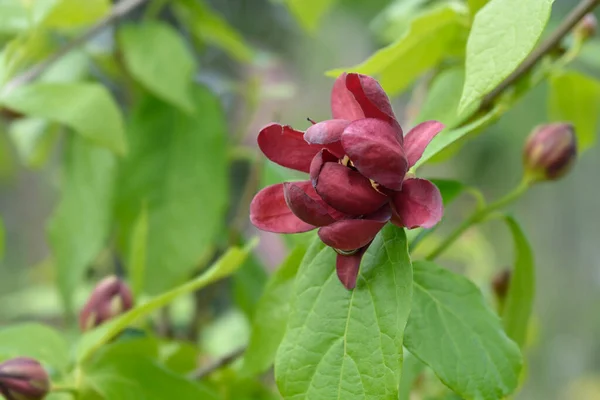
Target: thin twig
118,11
220,363
584,7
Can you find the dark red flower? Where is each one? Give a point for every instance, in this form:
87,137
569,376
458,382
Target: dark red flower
111,297
24,379
357,163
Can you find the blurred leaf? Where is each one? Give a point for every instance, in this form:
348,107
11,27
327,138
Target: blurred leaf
118,373
452,329
37,341
80,225
450,189
441,103
138,249
70,68
14,17
575,97
433,35
34,139
476,5
504,32
449,136
521,291
23,51
210,27
411,368
248,284
70,13
87,108
272,313
309,12
223,267
178,169
2,238
346,344
158,58
394,20
180,357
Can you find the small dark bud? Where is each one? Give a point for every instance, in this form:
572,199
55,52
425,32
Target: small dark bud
501,283
586,27
550,151
23,378
110,298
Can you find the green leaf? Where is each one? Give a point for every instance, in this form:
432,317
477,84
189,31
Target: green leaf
210,27
121,373
504,32
180,357
158,59
449,136
452,329
441,103
222,268
37,341
450,189
81,223
70,14
138,249
34,140
14,16
521,291
342,344
411,368
309,13
476,5
87,108
177,168
575,97
435,34
271,317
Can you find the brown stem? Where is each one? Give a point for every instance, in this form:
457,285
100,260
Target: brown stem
119,10
202,372
584,7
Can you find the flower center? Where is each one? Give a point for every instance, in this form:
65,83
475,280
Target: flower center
346,252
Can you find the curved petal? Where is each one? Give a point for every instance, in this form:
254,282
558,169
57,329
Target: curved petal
370,96
372,146
286,146
418,138
317,163
328,133
304,207
269,212
351,234
347,266
347,190
343,103
419,204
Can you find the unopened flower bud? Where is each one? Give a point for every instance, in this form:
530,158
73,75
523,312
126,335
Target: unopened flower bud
23,378
586,27
501,283
110,298
550,151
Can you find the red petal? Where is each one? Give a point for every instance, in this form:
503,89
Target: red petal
372,146
328,133
269,212
419,204
303,206
347,190
418,138
317,163
287,147
343,103
351,234
347,267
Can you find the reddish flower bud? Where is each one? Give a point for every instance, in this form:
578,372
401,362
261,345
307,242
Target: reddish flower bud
501,283
23,378
586,27
110,298
550,151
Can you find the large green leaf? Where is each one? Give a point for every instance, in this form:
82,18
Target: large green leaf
80,225
309,12
271,316
87,108
433,35
178,170
37,341
157,57
223,267
121,372
575,97
504,32
452,329
521,291
210,27
342,344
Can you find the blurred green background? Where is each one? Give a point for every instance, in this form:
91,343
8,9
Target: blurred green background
286,83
